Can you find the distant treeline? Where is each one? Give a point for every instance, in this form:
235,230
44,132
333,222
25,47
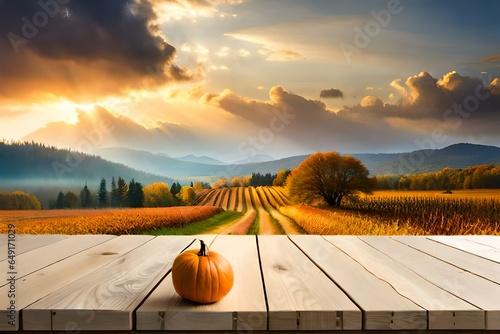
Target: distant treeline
474,177
18,200
255,180
121,194
133,195
259,179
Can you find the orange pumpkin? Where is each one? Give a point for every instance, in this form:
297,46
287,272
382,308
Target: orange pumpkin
202,276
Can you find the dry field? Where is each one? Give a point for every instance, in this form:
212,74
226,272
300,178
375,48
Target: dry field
113,221
268,211
468,212
381,213
475,193
261,205
333,222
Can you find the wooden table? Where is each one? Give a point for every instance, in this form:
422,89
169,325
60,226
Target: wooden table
282,283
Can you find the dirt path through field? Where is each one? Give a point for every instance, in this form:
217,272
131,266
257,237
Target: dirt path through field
243,225
261,202
266,225
289,227
238,226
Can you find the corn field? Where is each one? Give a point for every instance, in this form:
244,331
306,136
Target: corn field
434,215
340,222
408,213
269,209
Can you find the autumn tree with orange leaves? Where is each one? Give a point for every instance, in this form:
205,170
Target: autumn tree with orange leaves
328,178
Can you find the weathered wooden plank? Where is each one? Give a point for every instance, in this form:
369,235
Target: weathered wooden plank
476,290
30,242
482,250
111,293
53,277
40,257
489,240
300,296
467,261
383,307
27,242
4,238
445,311
242,309
35,253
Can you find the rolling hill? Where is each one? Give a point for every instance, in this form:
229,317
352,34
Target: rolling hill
36,165
162,164
454,156
44,171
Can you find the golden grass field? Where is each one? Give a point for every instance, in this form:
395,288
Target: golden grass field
268,211
107,221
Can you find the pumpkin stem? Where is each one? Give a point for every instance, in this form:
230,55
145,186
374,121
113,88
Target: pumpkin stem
203,249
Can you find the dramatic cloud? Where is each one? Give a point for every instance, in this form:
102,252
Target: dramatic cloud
179,9
190,76
461,105
207,132
84,49
331,93
287,123
304,124
101,128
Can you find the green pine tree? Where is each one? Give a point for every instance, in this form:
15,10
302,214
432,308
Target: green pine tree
102,194
85,197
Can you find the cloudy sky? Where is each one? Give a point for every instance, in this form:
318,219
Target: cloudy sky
236,78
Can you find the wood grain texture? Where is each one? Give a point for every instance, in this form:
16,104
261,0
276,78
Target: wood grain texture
40,257
300,296
383,307
476,290
114,290
97,283
477,265
445,310
472,246
27,242
242,309
489,240
49,279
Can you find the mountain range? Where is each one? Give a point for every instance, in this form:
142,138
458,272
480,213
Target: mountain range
424,161
419,161
31,163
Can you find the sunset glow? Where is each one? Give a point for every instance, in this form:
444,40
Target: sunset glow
212,77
